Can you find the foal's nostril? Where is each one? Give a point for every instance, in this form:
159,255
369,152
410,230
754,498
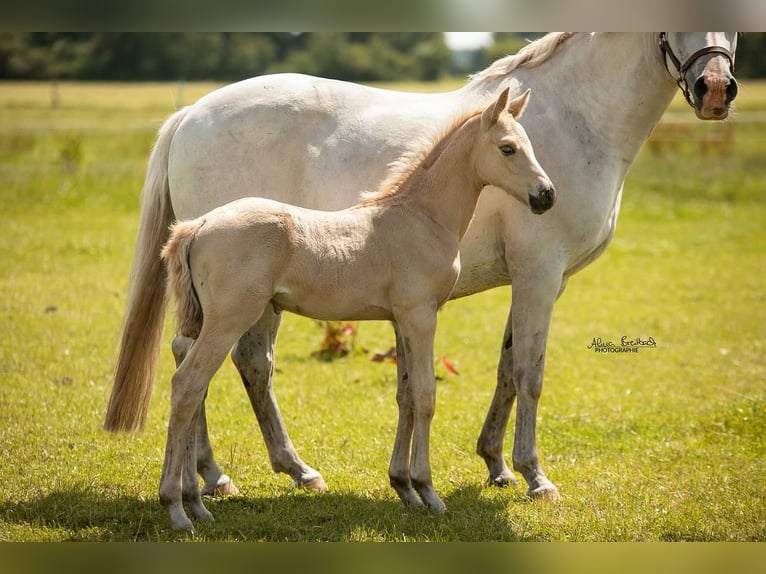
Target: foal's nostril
543,200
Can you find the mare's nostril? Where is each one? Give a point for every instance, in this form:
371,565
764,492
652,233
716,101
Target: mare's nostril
700,88
731,90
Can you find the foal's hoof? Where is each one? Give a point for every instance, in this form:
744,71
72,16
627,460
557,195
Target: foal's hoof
316,484
544,492
180,521
431,499
201,513
408,496
503,480
436,505
224,487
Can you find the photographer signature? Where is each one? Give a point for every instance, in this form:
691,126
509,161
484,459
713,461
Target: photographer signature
626,345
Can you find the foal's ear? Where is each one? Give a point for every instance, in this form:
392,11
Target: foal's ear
517,106
493,111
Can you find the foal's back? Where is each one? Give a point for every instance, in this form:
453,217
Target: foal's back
353,264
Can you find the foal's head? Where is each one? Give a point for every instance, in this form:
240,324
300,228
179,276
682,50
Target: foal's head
505,158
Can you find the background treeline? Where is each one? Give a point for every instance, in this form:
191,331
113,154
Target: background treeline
227,56
221,55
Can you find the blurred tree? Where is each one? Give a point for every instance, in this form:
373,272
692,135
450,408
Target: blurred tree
750,59
506,43
245,55
355,56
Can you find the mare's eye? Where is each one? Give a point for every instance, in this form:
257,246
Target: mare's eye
507,149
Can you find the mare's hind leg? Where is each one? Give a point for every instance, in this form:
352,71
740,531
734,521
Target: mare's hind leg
216,483
253,356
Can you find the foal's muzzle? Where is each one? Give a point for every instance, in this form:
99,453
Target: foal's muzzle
542,200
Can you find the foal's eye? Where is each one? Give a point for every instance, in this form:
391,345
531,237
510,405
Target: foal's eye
507,149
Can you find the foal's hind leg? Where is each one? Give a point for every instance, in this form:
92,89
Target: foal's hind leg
188,388
253,356
190,492
216,482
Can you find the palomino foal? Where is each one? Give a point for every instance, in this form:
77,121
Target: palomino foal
393,256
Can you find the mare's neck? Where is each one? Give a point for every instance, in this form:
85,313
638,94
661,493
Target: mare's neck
612,85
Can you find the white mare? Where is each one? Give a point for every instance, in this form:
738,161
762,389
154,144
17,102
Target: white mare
314,142
394,256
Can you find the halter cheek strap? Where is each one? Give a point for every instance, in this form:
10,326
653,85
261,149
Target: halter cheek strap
682,68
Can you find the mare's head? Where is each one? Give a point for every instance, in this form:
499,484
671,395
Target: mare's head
505,156
702,63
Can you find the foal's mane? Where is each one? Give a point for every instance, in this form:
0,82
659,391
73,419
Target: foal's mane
422,157
401,169
531,55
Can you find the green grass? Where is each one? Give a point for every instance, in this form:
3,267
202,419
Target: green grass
667,444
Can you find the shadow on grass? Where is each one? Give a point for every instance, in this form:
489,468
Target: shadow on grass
88,515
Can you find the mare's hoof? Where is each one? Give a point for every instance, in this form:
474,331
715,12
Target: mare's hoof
224,487
545,492
315,484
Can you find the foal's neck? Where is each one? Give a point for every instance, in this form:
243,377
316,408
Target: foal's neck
446,188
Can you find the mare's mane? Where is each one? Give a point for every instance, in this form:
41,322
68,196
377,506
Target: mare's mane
531,55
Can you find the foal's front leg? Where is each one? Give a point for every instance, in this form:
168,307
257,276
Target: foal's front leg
399,469
418,328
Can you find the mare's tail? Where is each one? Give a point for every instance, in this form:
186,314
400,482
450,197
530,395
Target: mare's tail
145,308
176,257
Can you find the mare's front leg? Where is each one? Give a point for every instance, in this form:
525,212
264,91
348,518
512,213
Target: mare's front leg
417,328
253,356
490,443
216,483
520,376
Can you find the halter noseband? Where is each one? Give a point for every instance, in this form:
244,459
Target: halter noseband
682,68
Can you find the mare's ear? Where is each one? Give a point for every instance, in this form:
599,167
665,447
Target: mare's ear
517,106
493,111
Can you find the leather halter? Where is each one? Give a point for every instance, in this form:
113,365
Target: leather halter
682,68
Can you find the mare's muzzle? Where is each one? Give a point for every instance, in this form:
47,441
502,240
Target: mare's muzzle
713,94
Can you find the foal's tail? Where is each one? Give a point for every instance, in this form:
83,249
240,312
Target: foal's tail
176,257
145,309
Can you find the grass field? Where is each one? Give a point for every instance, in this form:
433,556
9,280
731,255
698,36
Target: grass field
667,444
